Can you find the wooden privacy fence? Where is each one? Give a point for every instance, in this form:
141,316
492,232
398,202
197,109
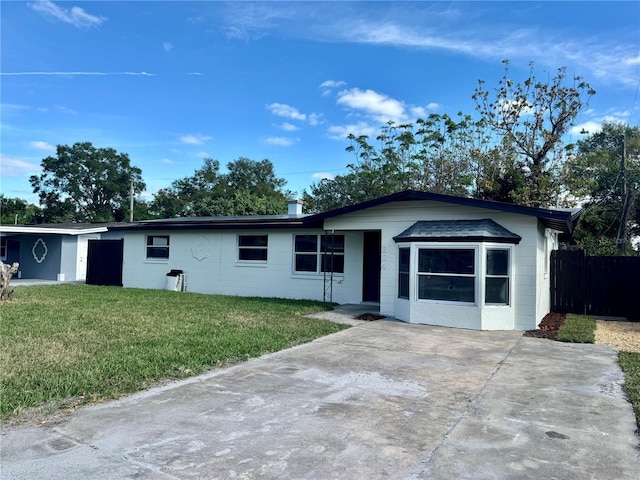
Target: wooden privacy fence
608,286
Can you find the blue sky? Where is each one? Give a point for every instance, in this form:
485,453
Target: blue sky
171,83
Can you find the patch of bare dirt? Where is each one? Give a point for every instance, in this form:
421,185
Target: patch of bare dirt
369,317
624,335
548,327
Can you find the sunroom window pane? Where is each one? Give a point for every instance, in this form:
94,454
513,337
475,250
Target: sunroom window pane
459,261
404,255
497,262
452,289
497,291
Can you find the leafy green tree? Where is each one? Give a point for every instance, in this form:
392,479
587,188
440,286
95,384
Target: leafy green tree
86,184
529,120
17,210
249,188
437,154
595,179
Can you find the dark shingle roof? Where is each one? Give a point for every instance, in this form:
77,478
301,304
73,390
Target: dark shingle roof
485,230
563,221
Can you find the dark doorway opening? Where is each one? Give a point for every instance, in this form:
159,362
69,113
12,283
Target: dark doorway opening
371,267
104,262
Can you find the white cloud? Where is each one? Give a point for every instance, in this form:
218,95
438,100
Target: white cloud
286,111
203,154
595,124
38,145
323,175
340,132
289,127
195,139
314,119
333,84
168,161
418,112
589,127
379,106
15,167
279,141
433,106
167,46
75,16
329,85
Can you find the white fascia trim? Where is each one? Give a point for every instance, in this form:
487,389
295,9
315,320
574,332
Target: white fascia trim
55,231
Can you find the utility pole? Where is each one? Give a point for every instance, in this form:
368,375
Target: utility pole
131,201
621,238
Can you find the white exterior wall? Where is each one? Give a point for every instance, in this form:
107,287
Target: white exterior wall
547,242
209,260
528,291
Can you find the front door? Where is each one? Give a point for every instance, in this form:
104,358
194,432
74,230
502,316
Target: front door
371,267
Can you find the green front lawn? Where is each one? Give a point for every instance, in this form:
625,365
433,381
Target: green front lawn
577,329
630,364
581,329
90,343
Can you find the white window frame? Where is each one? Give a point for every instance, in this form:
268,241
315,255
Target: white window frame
148,246
4,248
265,248
318,253
508,276
407,249
477,274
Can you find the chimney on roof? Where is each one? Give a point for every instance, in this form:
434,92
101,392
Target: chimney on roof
295,208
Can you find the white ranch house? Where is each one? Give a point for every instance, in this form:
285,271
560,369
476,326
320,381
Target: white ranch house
422,257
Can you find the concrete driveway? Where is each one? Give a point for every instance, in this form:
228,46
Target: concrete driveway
383,400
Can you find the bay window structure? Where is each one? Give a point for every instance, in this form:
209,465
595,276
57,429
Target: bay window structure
253,248
158,247
456,272
319,253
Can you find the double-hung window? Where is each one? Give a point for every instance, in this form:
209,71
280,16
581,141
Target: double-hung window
319,253
3,248
404,256
157,246
447,274
497,277
253,248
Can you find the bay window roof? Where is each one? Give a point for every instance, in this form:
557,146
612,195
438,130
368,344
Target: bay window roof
485,230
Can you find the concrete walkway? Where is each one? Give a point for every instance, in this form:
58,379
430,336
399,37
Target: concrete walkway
382,400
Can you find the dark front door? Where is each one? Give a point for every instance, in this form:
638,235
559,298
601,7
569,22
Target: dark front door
371,267
104,262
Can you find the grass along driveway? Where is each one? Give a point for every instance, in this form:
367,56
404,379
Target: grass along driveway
73,344
623,335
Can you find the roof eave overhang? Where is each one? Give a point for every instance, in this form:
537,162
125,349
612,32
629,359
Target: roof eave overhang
52,231
222,225
563,221
472,238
